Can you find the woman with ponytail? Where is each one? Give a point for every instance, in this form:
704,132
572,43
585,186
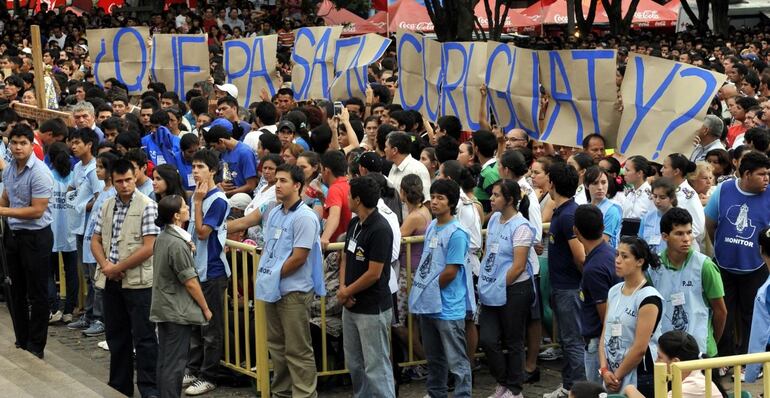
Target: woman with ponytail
678,346
64,221
638,199
629,342
177,299
506,288
676,167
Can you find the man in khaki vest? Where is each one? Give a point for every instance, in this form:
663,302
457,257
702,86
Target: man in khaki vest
122,246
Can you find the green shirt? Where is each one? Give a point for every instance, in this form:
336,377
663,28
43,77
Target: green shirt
712,286
488,177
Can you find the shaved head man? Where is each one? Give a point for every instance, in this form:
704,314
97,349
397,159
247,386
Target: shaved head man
516,138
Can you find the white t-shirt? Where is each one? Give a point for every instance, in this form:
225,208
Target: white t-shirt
392,219
252,137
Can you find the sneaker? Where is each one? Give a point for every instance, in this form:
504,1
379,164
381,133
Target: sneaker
54,317
66,318
560,392
499,390
508,394
96,329
103,345
416,373
550,354
200,387
187,380
743,374
80,324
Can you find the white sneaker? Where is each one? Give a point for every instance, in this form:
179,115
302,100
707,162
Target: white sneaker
560,392
103,345
508,394
200,387
550,354
499,390
66,318
55,317
188,380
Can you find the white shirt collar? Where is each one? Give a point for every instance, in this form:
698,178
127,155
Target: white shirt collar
184,234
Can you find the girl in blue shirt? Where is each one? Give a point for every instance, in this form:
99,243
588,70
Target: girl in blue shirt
664,198
597,181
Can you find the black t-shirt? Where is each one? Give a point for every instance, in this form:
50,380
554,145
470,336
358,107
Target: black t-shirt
373,242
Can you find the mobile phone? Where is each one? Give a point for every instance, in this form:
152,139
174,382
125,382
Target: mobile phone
337,108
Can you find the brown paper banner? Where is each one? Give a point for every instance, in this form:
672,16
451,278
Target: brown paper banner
250,64
465,72
129,64
419,65
513,85
179,61
352,57
313,56
664,103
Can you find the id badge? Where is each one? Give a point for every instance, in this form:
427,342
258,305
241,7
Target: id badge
433,243
616,330
677,299
654,240
352,245
277,234
161,160
494,247
191,180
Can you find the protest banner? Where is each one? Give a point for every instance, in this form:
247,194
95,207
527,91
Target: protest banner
464,66
313,57
664,103
420,70
121,53
41,115
179,61
250,64
513,87
583,100
351,59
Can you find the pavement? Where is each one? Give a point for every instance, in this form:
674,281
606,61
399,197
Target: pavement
74,360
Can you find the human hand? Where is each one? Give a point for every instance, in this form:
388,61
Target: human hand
111,271
207,314
324,243
611,381
201,190
483,90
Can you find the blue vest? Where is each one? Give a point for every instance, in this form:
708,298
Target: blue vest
741,217
161,146
279,243
620,327
88,256
64,216
425,296
498,259
684,284
201,246
185,171
760,331
650,231
607,206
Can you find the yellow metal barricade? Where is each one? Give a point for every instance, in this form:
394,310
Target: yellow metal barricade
663,374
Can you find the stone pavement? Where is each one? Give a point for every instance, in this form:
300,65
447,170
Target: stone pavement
90,364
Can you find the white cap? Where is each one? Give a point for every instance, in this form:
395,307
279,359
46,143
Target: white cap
230,89
27,50
240,201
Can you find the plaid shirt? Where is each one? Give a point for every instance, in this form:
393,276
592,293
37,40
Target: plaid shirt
149,215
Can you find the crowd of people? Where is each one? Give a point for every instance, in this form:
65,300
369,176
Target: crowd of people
645,261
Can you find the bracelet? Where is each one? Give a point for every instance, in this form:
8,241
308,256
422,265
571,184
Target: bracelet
602,371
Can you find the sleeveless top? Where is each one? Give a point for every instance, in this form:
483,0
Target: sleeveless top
201,246
760,331
416,250
498,259
741,217
63,214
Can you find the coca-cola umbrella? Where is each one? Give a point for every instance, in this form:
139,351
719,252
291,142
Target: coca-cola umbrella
411,15
550,12
380,20
513,20
352,23
649,14
673,5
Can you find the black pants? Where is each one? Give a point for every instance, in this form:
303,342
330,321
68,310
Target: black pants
740,292
29,256
173,348
127,327
501,335
208,341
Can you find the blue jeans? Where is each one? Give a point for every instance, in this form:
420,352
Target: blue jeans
592,361
367,352
444,345
566,308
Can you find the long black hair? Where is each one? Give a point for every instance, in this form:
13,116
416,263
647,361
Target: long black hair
173,180
641,250
167,207
60,158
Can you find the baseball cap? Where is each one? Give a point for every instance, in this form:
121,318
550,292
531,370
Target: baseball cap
221,122
750,56
240,201
371,162
297,118
285,124
230,89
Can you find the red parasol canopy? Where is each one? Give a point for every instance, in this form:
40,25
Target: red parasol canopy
353,24
649,14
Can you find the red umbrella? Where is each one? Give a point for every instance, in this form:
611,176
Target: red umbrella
550,13
353,24
513,21
648,14
409,15
673,5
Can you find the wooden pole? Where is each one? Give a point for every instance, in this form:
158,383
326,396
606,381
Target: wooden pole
37,63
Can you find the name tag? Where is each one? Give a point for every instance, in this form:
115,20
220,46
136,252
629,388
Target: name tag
654,240
616,330
677,299
433,243
352,245
277,234
161,160
494,247
191,180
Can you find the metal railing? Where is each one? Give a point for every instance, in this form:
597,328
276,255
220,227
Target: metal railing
673,372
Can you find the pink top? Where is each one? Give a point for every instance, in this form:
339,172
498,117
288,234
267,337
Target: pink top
694,386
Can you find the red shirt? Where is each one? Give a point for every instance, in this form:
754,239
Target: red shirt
733,132
37,147
338,196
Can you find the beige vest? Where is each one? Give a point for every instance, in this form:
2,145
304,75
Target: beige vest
130,240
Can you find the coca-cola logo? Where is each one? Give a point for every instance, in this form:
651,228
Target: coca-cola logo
560,19
418,27
647,14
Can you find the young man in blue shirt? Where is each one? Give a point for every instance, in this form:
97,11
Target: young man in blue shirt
241,172
566,256
189,144
207,227
598,277
442,294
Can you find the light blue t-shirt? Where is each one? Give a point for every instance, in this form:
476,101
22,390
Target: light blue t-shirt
453,296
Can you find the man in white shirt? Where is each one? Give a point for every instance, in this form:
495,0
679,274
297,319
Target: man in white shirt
397,150
708,138
265,117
